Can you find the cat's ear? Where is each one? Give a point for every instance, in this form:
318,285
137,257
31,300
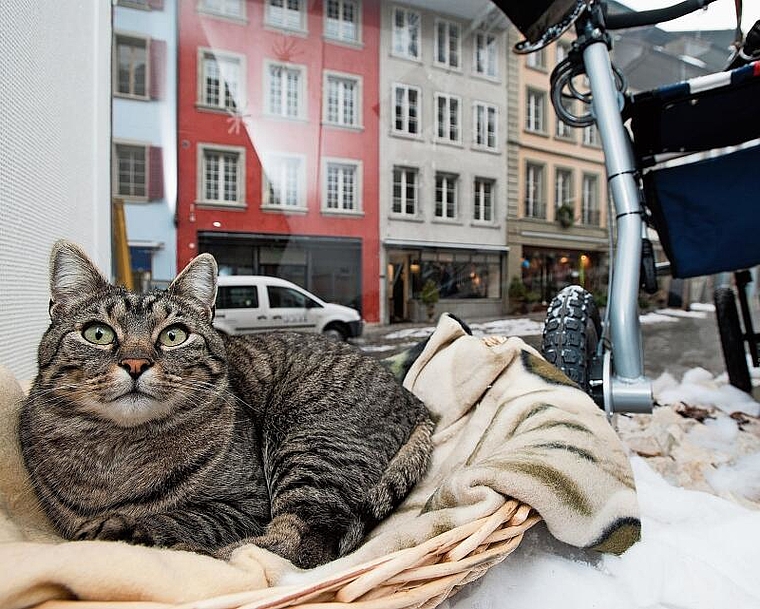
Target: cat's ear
72,276
198,280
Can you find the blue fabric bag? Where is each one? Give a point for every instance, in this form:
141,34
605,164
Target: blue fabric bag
707,213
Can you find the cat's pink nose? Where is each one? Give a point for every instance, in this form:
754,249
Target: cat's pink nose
135,366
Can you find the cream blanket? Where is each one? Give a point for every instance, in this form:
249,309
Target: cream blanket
508,425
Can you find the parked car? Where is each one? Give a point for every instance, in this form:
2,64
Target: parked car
258,303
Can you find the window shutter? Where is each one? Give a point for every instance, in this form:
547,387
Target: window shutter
155,173
157,68
156,5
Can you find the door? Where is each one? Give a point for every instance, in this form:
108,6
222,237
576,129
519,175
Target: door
239,310
397,289
290,309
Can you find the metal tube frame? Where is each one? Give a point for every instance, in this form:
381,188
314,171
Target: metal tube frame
626,387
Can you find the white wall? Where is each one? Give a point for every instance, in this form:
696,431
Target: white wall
54,156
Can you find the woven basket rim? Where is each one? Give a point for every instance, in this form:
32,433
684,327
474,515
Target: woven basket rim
419,577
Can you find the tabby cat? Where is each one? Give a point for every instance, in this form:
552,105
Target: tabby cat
146,425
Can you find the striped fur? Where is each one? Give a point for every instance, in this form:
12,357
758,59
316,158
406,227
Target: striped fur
286,440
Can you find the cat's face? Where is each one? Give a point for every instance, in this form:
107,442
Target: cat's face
130,358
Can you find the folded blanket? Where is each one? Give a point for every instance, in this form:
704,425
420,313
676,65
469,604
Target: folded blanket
508,424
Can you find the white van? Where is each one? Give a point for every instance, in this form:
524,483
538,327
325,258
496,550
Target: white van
258,303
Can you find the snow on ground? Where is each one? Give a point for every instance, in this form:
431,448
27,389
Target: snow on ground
696,460
524,326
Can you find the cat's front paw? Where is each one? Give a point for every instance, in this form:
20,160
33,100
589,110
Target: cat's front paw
115,527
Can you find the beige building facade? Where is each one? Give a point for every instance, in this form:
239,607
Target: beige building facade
558,189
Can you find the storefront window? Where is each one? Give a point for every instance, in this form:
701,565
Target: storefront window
545,272
458,274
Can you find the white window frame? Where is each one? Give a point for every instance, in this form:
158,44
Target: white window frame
489,66
292,20
590,199
536,60
535,110
447,186
480,125
341,78
269,79
562,130
404,184
115,84
130,196
452,124
444,44
534,201
239,152
479,195
405,113
563,50
230,66
591,136
401,36
222,8
342,166
277,163
563,187
334,29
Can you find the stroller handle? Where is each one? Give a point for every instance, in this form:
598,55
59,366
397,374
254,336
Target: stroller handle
628,20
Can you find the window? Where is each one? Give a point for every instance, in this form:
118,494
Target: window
342,20
447,118
234,9
222,175
485,125
482,198
342,100
535,206
486,47
284,182
131,66
591,136
447,44
445,196
459,273
286,14
131,171
590,200
563,50
536,60
285,91
406,33
563,188
562,130
221,84
286,298
342,186
237,297
142,4
535,110
406,111
405,189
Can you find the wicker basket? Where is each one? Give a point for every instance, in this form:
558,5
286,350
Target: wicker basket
419,577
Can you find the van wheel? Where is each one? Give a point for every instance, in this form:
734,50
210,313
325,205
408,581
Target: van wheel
334,333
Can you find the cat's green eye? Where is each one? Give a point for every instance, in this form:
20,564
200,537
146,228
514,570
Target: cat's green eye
99,334
172,336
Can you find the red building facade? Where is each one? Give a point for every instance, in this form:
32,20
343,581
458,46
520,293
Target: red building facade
278,142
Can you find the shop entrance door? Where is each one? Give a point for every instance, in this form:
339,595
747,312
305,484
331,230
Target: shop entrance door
397,290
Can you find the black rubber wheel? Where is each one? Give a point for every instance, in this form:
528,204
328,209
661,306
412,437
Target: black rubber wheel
571,333
732,339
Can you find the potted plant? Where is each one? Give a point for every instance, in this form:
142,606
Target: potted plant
565,215
429,297
517,295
